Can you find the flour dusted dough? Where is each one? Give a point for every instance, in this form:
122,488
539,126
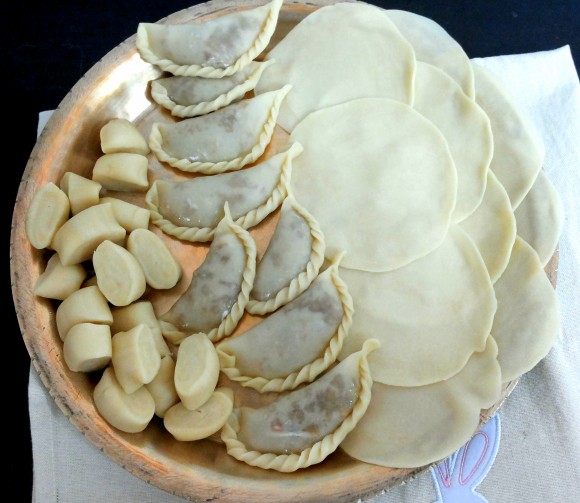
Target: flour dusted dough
353,50
518,148
413,427
466,128
224,140
429,316
303,427
432,44
527,321
382,191
492,226
192,96
211,49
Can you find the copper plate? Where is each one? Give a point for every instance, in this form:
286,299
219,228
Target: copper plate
118,87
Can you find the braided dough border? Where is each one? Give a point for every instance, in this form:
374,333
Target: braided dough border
310,371
253,217
230,322
260,43
321,449
301,282
211,168
161,97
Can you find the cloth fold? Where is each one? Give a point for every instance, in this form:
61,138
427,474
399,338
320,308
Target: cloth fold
537,458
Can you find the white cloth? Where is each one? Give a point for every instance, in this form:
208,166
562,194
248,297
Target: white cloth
538,460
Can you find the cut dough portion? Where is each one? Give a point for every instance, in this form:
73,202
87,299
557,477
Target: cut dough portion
518,148
220,288
527,321
466,128
432,44
413,427
429,316
224,140
354,51
382,191
314,325
291,261
303,427
191,96
540,218
211,49
493,227
191,209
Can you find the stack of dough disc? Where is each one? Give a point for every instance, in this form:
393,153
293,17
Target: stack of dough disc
427,174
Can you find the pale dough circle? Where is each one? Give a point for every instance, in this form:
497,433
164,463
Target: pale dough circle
379,179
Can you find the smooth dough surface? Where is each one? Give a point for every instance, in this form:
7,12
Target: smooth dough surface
382,191
540,218
518,148
466,128
412,427
527,321
429,316
433,44
353,51
492,226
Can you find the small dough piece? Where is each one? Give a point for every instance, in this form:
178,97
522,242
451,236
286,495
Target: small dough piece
162,387
135,359
82,192
88,347
191,209
130,413
429,316
354,51
291,261
492,226
527,321
225,140
518,148
540,218
58,281
121,135
212,49
188,425
87,304
363,184
305,426
124,172
466,128
314,325
219,289
433,45
49,209
128,317
197,370
192,96
161,269
130,216
409,427
79,237
119,275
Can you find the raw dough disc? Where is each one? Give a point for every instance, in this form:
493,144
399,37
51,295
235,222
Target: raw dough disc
429,316
379,179
353,50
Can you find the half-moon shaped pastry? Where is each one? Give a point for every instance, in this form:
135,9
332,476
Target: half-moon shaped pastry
314,325
303,427
190,210
220,288
192,96
291,261
211,49
224,140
